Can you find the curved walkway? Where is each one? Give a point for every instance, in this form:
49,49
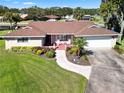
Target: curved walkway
64,63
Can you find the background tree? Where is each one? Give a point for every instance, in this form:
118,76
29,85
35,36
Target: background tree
9,17
78,13
16,18
113,12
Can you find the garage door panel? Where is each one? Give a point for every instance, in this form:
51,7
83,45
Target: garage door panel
99,42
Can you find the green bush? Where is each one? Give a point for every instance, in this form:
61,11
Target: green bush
40,52
43,50
21,49
74,50
85,58
119,49
50,54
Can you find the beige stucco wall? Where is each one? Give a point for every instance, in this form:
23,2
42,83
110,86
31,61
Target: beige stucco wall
32,42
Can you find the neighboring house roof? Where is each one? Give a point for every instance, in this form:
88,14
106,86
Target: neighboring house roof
23,16
77,28
51,16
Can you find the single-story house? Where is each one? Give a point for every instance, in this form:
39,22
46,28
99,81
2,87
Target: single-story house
47,33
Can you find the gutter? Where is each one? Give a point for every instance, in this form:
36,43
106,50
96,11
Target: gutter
20,36
97,35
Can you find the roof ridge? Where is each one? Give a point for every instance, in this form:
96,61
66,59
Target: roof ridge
83,29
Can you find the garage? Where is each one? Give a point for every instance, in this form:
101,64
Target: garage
100,41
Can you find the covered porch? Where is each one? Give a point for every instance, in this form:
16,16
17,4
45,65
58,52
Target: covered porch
51,40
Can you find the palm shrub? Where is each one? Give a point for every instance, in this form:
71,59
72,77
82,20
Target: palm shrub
80,42
50,54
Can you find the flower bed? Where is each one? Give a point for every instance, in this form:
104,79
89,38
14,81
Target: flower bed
72,56
41,51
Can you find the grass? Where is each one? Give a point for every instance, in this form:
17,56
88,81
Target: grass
3,32
29,73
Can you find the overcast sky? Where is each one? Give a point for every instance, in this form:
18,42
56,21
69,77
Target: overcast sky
51,3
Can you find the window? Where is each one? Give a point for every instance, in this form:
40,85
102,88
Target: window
21,40
63,38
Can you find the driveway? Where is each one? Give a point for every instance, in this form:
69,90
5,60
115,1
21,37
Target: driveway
107,74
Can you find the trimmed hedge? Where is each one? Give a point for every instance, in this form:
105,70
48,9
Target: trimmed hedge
22,49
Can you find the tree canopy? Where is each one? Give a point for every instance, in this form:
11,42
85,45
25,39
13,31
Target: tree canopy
113,14
35,12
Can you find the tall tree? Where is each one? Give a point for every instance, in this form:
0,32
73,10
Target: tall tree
113,13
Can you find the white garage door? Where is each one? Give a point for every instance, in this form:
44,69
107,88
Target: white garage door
99,42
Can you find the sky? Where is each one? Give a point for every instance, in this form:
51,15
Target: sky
51,3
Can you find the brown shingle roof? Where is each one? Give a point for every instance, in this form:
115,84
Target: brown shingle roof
77,28
29,31
95,31
61,27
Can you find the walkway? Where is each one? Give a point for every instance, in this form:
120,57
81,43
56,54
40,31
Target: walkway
64,63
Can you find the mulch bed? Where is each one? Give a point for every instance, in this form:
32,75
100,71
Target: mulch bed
76,60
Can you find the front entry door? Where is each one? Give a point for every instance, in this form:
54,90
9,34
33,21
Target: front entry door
48,40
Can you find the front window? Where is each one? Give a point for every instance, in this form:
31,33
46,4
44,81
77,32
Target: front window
63,38
22,40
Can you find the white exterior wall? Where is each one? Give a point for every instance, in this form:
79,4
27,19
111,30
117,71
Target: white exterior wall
101,42
32,42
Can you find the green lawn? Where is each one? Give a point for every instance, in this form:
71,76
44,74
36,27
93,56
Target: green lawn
3,32
29,73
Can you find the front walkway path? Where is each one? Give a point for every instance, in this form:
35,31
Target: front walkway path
64,63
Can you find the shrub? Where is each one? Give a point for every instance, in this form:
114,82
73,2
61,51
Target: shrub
39,52
85,58
68,48
21,49
50,54
119,49
74,50
42,50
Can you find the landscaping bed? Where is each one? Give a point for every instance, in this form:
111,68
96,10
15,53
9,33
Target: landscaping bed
72,56
47,53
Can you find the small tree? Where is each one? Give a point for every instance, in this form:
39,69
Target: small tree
80,43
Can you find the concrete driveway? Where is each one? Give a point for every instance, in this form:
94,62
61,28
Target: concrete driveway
107,74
